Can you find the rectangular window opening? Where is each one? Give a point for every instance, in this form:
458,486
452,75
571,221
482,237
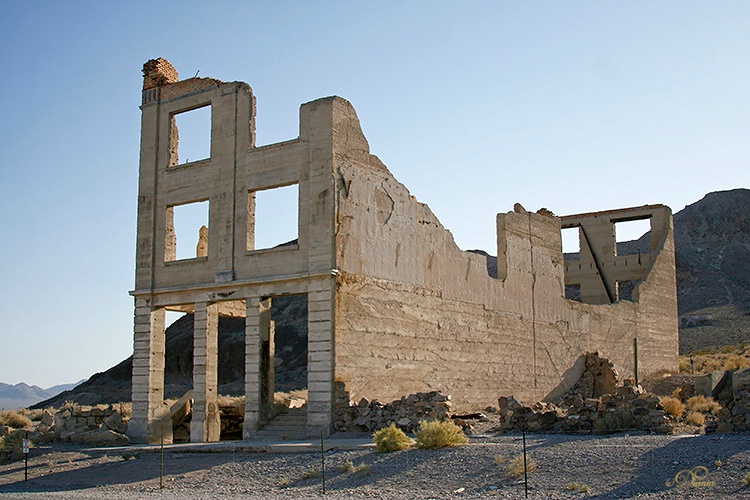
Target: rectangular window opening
187,231
571,243
573,292
625,289
633,236
190,136
273,217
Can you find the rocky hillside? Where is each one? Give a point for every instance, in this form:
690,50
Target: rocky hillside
712,238
289,314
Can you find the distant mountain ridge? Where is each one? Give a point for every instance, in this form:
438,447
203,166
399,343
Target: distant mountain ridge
22,395
712,254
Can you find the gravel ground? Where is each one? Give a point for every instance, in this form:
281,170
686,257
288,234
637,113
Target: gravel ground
618,466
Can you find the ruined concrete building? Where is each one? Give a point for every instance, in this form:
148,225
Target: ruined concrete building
394,306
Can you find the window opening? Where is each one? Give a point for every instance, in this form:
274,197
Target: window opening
190,136
273,217
571,242
632,237
625,289
573,292
187,231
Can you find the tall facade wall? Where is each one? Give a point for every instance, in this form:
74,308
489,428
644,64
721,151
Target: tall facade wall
414,312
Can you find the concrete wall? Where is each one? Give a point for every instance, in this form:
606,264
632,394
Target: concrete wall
415,313
394,306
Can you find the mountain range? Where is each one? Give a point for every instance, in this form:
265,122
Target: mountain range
712,253
22,395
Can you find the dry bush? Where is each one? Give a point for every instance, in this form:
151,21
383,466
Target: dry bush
746,479
232,401
390,439
310,473
703,404
696,418
14,419
11,446
439,434
672,406
516,466
126,410
736,362
33,415
685,365
500,459
347,466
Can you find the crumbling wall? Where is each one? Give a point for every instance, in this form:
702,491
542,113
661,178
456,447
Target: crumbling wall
414,312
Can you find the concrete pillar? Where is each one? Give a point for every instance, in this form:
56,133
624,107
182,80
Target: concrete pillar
320,373
252,367
148,373
205,425
259,385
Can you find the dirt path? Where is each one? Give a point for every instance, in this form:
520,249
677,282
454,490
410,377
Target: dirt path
619,466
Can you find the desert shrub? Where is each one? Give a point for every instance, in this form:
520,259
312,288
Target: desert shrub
126,410
672,406
736,362
11,446
516,466
33,415
310,473
685,365
500,459
232,401
347,466
363,470
746,479
703,404
583,488
390,439
439,434
14,419
696,418
727,349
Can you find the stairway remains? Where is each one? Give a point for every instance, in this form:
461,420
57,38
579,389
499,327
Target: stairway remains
289,425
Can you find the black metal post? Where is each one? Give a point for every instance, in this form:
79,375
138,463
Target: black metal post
161,464
525,472
26,457
323,462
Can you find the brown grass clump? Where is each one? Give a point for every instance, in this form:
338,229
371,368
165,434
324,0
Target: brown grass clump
703,404
390,439
33,415
736,362
672,406
231,401
14,419
439,434
696,418
516,466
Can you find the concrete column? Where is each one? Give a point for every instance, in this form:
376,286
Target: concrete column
205,425
320,358
148,373
252,367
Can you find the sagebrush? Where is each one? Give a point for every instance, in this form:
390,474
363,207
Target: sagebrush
439,434
517,467
390,439
672,406
703,404
15,419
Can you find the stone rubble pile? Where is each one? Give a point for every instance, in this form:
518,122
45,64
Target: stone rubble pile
595,404
100,425
735,414
406,412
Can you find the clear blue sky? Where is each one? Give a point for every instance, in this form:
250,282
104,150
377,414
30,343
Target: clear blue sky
574,106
